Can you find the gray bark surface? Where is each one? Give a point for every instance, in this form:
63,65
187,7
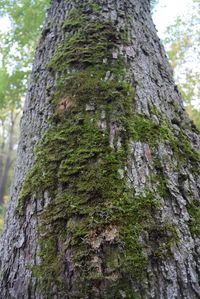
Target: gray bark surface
177,275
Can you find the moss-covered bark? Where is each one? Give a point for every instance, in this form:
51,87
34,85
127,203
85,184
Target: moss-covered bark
108,179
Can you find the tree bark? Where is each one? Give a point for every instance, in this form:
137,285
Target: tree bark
107,204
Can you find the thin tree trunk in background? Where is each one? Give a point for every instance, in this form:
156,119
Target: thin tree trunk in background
2,149
8,161
107,204
1,167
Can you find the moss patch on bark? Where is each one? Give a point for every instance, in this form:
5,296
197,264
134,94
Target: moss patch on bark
194,211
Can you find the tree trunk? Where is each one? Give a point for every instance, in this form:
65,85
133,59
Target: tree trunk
2,150
1,166
107,204
8,161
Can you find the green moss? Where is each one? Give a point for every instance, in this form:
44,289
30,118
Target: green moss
136,212
74,20
51,263
88,46
186,149
162,238
180,144
145,130
194,211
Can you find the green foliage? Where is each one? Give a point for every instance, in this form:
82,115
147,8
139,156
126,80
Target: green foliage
182,42
17,47
26,17
12,88
4,85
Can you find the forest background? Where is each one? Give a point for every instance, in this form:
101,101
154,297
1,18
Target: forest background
20,26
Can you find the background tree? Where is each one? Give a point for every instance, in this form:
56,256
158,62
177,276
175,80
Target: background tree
183,43
107,204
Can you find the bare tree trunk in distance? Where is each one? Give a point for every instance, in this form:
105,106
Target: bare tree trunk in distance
2,151
105,197
8,160
1,167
